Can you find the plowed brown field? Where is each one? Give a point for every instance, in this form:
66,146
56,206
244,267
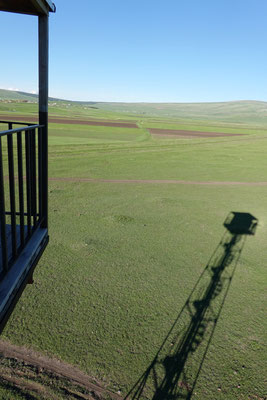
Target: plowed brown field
56,120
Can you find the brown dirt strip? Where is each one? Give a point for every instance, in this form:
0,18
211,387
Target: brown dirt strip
51,365
95,123
176,136
166,181
189,134
56,120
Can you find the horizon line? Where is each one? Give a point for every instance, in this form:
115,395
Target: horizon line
133,102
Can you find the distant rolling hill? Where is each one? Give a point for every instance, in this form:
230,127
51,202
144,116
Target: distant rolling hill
233,111
246,111
21,96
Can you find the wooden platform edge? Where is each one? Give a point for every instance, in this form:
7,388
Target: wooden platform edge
13,284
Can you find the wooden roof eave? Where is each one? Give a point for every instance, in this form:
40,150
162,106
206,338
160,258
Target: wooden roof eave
31,7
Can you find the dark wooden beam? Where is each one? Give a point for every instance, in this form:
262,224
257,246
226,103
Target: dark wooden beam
41,6
32,7
43,110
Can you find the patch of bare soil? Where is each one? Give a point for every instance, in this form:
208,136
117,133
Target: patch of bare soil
188,134
95,123
149,181
38,377
22,118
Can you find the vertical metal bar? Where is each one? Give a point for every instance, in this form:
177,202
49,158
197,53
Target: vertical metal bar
28,181
40,163
12,194
21,194
2,214
33,173
43,111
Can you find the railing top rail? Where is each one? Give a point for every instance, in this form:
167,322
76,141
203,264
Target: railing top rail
24,129
17,123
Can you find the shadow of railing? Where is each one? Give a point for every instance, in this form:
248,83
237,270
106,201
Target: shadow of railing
174,371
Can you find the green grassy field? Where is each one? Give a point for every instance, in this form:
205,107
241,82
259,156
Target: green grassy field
124,257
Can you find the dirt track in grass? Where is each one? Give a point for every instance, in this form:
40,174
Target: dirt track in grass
176,133
160,181
27,371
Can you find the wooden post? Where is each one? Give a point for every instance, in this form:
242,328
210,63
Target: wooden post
43,112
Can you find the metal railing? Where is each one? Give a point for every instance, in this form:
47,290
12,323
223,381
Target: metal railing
22,184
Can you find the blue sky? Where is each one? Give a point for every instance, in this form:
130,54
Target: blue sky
155,51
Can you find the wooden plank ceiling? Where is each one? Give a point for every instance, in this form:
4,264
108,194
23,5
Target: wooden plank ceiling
33,7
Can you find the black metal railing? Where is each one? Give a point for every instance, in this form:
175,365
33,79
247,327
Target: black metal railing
21,188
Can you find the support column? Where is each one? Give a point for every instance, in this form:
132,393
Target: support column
43,112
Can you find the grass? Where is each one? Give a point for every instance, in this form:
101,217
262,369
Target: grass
98,133
124,257
221,159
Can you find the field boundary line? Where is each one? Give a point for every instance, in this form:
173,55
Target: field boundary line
157,181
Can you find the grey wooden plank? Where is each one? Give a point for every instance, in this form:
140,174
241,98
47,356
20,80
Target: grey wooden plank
9,242
17,273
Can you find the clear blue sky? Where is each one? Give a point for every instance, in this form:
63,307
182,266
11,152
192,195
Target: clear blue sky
143,50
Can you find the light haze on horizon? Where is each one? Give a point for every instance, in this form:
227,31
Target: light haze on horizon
143,51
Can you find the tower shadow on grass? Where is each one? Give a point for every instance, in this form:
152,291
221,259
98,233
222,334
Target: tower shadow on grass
174,371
